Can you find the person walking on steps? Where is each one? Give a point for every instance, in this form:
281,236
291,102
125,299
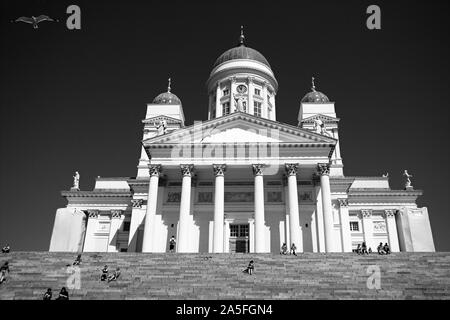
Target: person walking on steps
293,248
172,243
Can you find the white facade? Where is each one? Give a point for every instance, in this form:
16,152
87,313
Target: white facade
241,181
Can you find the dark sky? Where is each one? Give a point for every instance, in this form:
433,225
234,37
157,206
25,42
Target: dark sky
74,100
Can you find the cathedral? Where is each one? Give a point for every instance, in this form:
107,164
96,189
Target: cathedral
241,181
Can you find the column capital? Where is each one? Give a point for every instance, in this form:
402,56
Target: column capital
366,213
92,213
390,213
343,203
219,169
323,169
232,79
291,169
251,79
116,213
187,169
258,169
137,203
154,169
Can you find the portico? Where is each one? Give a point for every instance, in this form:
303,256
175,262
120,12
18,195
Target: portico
235,199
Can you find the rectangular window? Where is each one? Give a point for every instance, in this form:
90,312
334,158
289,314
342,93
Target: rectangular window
126,226
243,230
234,229
257,108
354,226
257,92
226,92
225,108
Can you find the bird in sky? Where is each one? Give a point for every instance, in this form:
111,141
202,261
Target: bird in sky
34,20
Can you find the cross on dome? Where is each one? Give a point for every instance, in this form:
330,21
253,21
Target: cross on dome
313,88
168,86
242,37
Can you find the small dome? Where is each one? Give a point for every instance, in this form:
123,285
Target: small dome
167,97
315,96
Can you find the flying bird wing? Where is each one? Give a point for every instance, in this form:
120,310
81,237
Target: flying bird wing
25,19
43,18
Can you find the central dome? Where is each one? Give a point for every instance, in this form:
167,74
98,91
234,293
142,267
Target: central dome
241,52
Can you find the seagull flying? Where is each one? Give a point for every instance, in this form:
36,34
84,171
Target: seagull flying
34,20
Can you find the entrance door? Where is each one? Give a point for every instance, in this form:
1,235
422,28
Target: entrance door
239,239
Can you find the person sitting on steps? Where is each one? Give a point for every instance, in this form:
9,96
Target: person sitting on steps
104,275
63,294
284,248
114,276
48,294
364,248
6,249
293,248
3,269
358,249
370,250
386,248
77,261
250,268
380,248
172,243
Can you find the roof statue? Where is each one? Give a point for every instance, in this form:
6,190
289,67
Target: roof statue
407,180
76,181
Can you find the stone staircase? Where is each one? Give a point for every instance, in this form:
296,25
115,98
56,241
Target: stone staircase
220,276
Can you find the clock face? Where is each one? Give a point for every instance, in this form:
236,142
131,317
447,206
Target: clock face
241,88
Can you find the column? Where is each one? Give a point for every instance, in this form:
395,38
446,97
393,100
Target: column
137,217
218,105
265,110
219,190
155,171
185,208
260,244
345,226
232,91
116,221
92,225
251,90
226,236
367,228
251,234
294,220
320,236
324,172
392,230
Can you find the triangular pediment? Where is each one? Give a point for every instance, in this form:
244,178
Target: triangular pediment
156,119
240,128
324,118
